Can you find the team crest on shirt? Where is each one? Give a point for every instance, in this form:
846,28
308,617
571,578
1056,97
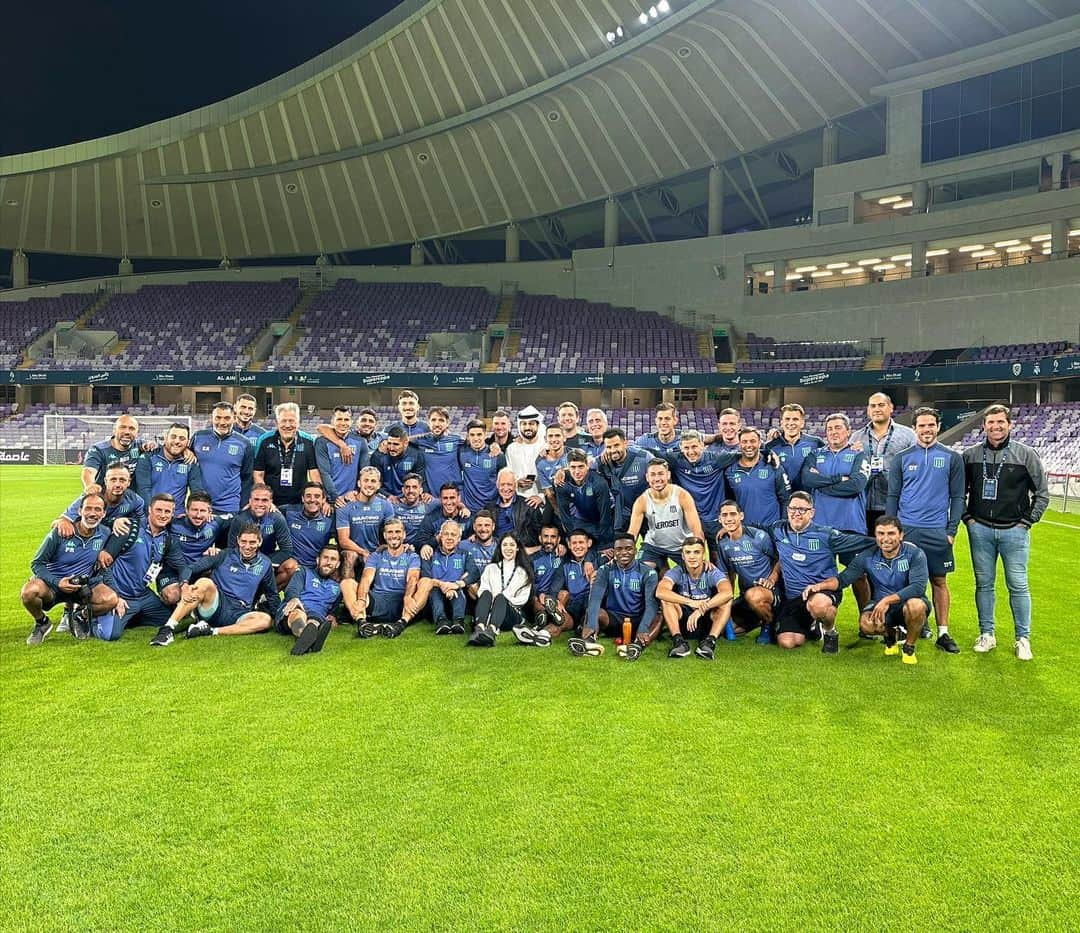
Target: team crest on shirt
813,545
939,463
738,478
233,449
763,473
903,566
320,525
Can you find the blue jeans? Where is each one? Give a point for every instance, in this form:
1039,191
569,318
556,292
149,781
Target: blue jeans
1012,545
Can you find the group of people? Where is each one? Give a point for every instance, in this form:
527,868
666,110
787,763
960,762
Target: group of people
541,531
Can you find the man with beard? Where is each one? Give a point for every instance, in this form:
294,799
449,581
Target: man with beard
570,421
624,469
309,527
311,599
396,459
226,462
124,509
926,492
549,466
66,569
449,509
196,532
410,507
521,455
408,406
285,458
440,448
571,581
166,470
584,500
120,448
760,488
390,591
700,471
481,546
881,439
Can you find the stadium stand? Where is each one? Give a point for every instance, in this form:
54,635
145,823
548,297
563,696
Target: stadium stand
1015,352
371,326
1053,429
208,322
22,322
565,335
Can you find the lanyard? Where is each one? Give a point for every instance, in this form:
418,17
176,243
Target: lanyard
999,464
880,452
287,464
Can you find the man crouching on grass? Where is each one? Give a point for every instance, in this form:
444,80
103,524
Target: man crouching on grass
311,599
224,602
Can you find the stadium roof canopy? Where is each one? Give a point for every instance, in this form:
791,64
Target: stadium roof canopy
449,116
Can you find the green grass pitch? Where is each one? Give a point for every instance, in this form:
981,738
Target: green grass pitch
222,785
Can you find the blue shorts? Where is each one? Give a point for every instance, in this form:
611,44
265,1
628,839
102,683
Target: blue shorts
894,615
659,557
147,609
223,611
385,607
934,542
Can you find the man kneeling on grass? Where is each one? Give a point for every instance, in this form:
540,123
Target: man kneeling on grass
311,599
390,592
450,570
224,602
623,590
690,594
898,574
67,570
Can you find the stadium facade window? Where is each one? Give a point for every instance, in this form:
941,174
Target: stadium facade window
1014,105
1021,179
832,215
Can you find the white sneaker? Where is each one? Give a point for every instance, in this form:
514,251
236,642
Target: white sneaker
984,643
1023,649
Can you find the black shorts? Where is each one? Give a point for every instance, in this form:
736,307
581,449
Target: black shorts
704,623
894,615
933,542
578,609
745,618
793,616
615,623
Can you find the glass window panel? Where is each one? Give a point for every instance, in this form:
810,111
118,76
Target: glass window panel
926,143
974,132
1070,109
1026,177
1004,86
946,102
944,139
926,98
1046,75
1070,68
975,94
1005,126
1046,115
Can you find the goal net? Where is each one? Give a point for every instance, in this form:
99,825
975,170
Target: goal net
1064,491
67,437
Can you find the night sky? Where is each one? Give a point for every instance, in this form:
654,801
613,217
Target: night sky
71,71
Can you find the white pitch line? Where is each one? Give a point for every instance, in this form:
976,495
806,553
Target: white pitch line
1046,521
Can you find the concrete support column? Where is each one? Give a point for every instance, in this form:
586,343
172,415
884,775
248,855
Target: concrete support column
127,396
779,277
920,197
126,268
611,223
513,243
918,259
1059,238
416,255
1057,170
716,201
830,144
20,269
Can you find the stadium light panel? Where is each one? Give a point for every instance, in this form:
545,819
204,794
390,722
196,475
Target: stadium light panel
884,266
1021,248
806,269
852,271
970,248
870,262
902,205
619,31
610,36
769,272
820,274
1041,238
792,276
837,265
1001,243
1074,233
653,12
643,19
982,253
890,199
936,252
663,6
900,257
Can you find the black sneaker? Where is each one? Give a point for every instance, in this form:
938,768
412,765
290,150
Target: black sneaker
198,629
163,638
80,623
305,639
442,627
457,627
392,629
483,636
585,647
634,651
926,633
525,634
325,625
366,629
945,643
39,632
680,649
890,636
707,649
815,631
830,642
868,636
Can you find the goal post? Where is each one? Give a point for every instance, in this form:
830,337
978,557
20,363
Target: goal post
67,437
1064,489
